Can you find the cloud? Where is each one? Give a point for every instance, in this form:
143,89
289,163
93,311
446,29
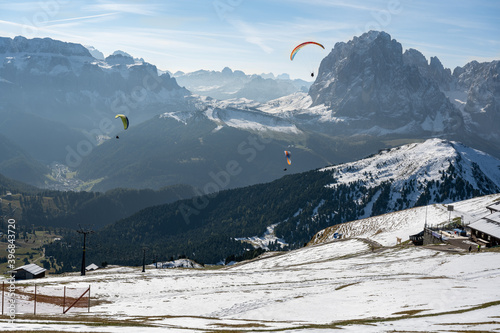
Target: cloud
250,34
338,3
140,9
81,18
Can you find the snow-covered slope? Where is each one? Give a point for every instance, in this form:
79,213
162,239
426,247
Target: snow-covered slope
340,285
433,172
384,229
427,168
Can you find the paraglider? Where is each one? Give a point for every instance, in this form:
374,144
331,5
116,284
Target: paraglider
300,46
287,155
124,120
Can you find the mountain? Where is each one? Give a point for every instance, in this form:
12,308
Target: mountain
16,164
205,228
229,84
74,97
479,84
60,104
366,84
244,147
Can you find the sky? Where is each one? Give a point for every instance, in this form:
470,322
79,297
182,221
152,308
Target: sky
257,36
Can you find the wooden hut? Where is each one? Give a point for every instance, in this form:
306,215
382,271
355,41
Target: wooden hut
30,271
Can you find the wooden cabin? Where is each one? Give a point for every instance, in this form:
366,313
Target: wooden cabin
30,271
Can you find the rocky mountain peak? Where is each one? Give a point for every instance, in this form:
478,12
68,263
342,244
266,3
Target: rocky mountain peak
38,45
119,59
369,83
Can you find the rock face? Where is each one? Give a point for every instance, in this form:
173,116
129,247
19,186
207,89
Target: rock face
38,46
370,84
480,83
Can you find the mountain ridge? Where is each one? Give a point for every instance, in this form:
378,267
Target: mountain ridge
205,228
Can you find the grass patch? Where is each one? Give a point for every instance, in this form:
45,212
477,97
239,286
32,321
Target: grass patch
86,320
249,325
475,323
346,285
87,186
432,277
409,312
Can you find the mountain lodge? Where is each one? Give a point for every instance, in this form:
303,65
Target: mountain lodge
487,229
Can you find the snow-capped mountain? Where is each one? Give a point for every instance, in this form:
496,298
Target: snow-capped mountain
368,86
434,171
368,95
289,211
55,77
64,84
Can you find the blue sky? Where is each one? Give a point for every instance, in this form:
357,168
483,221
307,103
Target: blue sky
257,36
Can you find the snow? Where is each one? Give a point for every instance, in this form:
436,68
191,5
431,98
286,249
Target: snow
292,102
241,113
422,161
257,126
341,284
299,104
180,116
384,229
434,125
263,241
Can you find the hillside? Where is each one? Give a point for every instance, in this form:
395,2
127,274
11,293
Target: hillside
67,210
189,147
384,229
17,164
329,286
205,228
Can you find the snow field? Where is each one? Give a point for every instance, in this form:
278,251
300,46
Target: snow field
337,284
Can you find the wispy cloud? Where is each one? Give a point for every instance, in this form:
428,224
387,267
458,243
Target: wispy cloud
357,5
81,18
140,9
250,34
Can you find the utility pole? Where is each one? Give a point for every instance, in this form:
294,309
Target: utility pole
85,233
144,258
